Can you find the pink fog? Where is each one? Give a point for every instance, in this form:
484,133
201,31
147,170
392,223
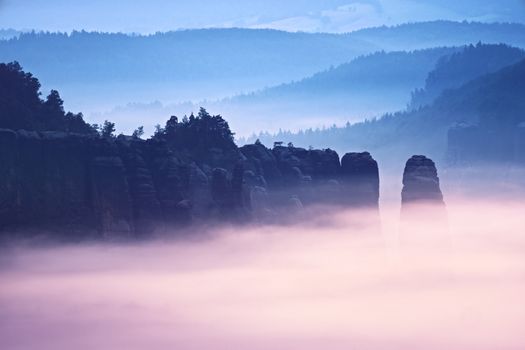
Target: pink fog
309,286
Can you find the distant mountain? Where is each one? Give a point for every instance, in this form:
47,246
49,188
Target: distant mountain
368,86
176,66
341,93
6,34
412,36
455,70
98,71
494,101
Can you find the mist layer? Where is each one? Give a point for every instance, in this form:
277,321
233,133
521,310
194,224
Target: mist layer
336,281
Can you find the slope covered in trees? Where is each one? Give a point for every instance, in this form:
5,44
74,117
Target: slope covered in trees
413,36
6,34
196,133
347,92
380,70
219,61
21,106
494,101
455,70
215,63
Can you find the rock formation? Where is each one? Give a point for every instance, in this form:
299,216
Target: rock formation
61,176
421,182
360,174
299,166
78,185
261,162
519,150
424,221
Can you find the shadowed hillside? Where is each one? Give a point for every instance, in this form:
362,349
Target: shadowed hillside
494,101
98,71
457,69
6,34
349,92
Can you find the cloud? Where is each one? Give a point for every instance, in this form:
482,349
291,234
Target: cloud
294,15
351,17
340,19
324,284
357,15
367,13
293,24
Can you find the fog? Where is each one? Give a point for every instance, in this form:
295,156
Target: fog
335,281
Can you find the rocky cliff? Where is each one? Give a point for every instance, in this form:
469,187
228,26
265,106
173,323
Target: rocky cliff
424,218
90,186
421,182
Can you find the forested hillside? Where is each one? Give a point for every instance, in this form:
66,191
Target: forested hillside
92,69
368,86
21,106
494,101
457,69
6,34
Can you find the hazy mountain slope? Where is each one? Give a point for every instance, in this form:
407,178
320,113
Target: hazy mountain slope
6,34
412,36
495,99
176,66
366,87
99,71
457,69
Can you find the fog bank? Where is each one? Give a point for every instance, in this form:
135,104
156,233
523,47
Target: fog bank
334,282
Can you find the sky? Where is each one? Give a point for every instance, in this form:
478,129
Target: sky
335,16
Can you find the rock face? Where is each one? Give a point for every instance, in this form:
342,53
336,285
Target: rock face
63,180
146,206
79,186
8,177
520,144
228,193
421,182
424,219
299,164
262,163
360,174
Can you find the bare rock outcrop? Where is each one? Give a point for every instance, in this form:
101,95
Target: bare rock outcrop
421,182
78,185
360,174
424,221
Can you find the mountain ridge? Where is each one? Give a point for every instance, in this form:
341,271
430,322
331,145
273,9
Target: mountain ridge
107,70
493,99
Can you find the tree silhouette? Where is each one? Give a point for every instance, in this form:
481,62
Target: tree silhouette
139,132
22,108
200,132
108,129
